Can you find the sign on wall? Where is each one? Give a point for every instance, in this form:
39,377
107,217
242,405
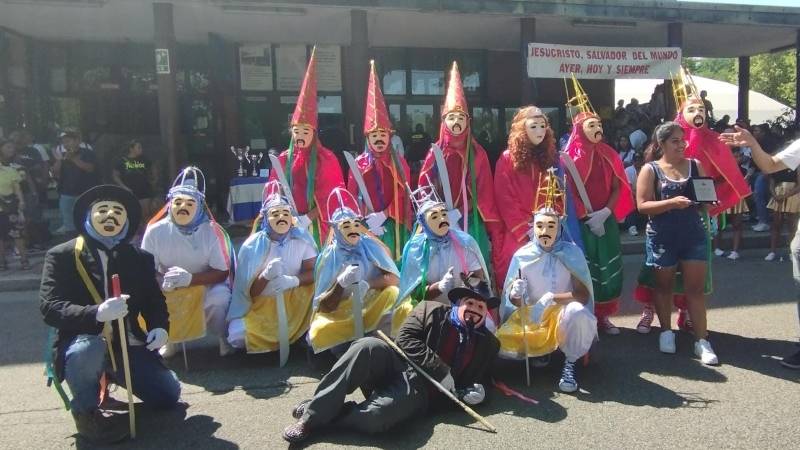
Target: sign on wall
162,61
290,61
329,67
559,61
255,67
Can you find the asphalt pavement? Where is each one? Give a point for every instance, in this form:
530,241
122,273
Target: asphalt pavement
631,395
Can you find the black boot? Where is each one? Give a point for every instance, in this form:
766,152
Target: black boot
102,427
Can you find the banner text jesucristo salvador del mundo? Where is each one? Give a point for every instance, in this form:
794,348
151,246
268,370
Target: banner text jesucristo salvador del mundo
559,61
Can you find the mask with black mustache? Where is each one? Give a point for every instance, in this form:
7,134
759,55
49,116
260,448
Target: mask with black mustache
108,217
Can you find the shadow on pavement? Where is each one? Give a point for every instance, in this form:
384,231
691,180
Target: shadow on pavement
258,375
759,355
169,430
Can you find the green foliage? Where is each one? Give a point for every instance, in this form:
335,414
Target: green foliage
772,74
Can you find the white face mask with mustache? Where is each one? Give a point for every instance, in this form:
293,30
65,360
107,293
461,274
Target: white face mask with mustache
593,130
302,135
182,209
695,114
108,217
378,140
456,122
280,219
437,220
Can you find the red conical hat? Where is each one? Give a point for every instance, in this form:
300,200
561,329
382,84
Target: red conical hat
305,111
376,117
455,100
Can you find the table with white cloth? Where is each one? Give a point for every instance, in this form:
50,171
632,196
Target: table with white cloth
244,198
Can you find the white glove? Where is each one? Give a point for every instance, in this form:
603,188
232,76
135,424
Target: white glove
448,382
273,270
303,221
350,275
474,395
597,230
538,308
597,220
453,216
280,284
448,282
112,308
176,277
156,338
519,289
375,223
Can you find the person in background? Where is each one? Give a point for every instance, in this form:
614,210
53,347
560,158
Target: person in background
137,174
709,107
734,214
634,220
35,189
675,235
785,189
626,152
12,205
761,192
788,158
76,172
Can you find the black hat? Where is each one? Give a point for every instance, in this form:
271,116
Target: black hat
474,287
108,192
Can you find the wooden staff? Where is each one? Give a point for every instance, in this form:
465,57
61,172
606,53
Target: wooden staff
523,317
438,385
126,364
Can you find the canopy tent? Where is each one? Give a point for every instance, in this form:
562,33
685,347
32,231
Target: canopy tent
723,96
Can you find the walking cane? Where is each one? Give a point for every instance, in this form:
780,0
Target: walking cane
523,317
126,364
438,385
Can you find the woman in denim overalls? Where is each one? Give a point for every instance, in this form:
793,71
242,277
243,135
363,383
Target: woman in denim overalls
675,234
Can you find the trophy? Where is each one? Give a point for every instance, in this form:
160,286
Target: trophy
242,155
255,160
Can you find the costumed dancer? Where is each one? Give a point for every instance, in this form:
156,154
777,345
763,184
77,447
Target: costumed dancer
449,342
547,300
435,257
603,197
193,260
76,299
719,163
517,178
356,281
468,187
384,175
274,285
310,169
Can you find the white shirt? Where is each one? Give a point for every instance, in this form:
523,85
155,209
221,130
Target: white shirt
440,263
195,253
790,156
292,255
542,277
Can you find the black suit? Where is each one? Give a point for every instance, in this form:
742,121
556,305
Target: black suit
67,305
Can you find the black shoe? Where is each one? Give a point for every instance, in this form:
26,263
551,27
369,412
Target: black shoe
102,427
539,362
300,409
791,361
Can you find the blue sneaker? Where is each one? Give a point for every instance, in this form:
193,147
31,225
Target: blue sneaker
568,383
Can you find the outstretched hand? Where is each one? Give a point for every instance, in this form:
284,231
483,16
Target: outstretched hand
740,138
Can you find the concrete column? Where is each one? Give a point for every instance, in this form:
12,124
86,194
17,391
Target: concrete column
527,34
797,81
743,104
356,67
167,88
674,39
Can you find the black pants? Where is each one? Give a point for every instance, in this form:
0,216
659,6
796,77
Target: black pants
396,391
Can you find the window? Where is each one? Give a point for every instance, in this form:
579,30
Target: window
392,68
427,72
470,64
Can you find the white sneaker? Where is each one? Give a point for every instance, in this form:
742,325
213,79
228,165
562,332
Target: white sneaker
761,226
703,350
770,256
719,252
168,351
733,256
666,342
633,231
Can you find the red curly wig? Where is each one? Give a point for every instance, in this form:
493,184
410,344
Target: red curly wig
522,151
